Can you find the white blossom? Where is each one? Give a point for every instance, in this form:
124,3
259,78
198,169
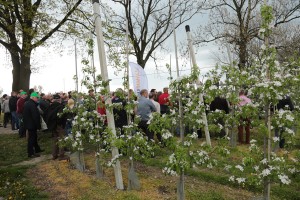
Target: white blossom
187,143
239,167
276,139
284,179
240,180
264,161
253,141
265,172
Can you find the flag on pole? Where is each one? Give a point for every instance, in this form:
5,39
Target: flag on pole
139,77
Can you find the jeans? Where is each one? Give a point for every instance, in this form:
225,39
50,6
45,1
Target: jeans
22,131
14,120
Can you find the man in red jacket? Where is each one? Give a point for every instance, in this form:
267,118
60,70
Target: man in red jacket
164,101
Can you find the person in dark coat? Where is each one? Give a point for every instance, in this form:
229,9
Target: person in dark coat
31,119
56,124
44,105
13,111
220,104
283,104
120,113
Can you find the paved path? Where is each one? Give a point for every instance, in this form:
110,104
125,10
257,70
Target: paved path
7,130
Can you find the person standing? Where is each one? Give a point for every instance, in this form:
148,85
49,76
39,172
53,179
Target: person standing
120,114
144,110
31,119
5,110
164,101
244,122
20,108
13,111
44,105
56,124
283,104
152,96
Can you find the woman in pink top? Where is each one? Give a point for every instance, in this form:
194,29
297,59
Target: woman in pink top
244,122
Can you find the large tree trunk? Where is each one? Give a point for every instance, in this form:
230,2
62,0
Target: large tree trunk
15,72
21,70
25,72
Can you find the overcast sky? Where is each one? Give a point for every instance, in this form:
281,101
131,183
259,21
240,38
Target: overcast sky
57,71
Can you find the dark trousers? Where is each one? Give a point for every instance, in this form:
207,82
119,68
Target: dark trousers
14,120
22,130
241,131
32,145
56,150
144,126
6,119
279,133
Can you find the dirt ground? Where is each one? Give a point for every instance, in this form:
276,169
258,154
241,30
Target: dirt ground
61,181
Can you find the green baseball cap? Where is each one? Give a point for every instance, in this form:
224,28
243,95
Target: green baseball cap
35,94
23,93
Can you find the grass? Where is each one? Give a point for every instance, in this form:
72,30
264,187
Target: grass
59,180
15,185
14,149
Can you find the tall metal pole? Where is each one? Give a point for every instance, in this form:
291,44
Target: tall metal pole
192,53
104,74
76,81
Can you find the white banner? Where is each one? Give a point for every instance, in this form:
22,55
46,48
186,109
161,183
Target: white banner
139,78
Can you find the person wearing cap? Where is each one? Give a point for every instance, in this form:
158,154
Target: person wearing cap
32,122
20,108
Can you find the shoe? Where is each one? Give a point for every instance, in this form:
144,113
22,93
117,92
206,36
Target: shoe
34,155
54,157
40,151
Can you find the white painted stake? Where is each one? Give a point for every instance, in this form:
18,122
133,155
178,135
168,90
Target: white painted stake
192,53
104,74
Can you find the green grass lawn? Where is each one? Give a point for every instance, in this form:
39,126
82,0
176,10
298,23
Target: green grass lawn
15,183
14,149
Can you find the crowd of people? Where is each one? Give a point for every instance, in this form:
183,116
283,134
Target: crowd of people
30,111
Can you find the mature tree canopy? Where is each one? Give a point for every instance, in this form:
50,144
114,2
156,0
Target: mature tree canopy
26,25
150,23
236,23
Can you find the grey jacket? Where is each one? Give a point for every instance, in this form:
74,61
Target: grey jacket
5,106
145,107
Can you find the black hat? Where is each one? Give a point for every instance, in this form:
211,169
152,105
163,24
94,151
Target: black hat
56,96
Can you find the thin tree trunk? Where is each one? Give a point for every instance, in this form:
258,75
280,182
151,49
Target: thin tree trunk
180,187
133,180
